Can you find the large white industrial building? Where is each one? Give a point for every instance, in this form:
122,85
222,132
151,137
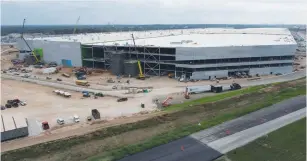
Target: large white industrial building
195,53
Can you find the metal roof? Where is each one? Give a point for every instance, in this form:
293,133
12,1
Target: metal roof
207,37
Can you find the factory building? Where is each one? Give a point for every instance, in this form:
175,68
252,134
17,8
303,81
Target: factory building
192,53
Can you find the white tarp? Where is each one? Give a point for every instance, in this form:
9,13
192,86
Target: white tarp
49,70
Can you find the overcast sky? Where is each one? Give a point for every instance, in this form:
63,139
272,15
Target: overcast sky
48,12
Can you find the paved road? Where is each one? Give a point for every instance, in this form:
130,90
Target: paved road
242,138
172,151
185,149
251,120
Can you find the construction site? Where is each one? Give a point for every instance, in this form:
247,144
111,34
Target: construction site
73,81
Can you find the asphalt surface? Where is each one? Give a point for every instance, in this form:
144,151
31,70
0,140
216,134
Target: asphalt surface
242,138
185,149
251,120
195,146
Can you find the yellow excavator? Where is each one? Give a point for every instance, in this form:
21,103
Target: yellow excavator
141,75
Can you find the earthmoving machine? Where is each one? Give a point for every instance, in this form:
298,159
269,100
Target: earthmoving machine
32,52
141,76
171,75
166,102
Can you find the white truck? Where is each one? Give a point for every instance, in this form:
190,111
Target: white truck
76,118
60,121
62,93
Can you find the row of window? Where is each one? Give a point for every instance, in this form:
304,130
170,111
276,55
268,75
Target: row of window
234,67
235,60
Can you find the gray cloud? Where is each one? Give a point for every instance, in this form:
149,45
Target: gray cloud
154,11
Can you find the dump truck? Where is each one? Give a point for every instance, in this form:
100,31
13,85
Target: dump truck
82,83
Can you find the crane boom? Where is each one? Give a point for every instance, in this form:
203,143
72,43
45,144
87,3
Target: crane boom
22,32
75,29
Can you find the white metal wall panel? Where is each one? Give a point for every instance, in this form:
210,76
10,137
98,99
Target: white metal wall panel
271,70
183,53
55,51
209,74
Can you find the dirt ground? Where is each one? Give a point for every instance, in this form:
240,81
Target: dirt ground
43,105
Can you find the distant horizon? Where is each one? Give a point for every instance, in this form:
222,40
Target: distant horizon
157,24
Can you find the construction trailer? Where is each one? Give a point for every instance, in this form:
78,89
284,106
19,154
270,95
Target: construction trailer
197,54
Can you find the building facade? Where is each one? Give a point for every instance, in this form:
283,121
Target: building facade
195,54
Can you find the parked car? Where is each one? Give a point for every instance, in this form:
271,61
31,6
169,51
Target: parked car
60,121
76,118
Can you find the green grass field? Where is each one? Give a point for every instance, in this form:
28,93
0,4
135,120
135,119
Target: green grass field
285,144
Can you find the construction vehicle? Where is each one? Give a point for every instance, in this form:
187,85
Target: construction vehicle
166,102
171,75
52,64
122,99
86,94
62,93
216,88
141,75
45,125
82,83
95,114
235,86
15,103
75,28
99,94
110,80
186,93
82,77
32,52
